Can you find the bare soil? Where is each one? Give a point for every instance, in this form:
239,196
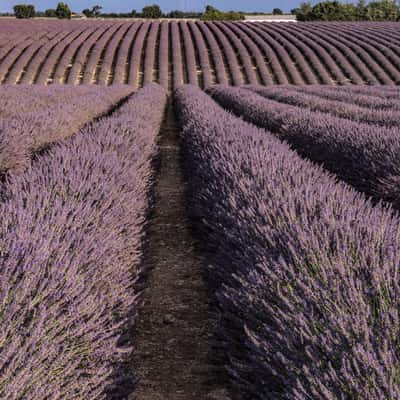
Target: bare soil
173,334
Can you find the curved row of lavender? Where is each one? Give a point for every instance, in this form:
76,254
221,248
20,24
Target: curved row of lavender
307,289
203,53
363,155
95,54
217,54
150,53
177,58
190,62
250,49
163,55
386,97
32,117
245,57
232,62
136,54
70,242
313,102
78,60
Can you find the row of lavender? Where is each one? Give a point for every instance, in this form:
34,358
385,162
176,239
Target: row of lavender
304,267
70,252
200,53
31,119
359,142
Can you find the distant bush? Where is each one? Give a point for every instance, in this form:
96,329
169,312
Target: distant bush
132,14
63,11
213,14
24,11
183,14
277,11
92,13
381,10
50,13
153,12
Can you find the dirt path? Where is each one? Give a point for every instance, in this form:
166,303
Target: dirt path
174,327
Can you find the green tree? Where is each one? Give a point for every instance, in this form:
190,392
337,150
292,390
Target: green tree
213,14
50,13
24,11
153,11
384,10
303,13
379,10
96,10
93,13
361,11
176,14
333,11
63,11
87,13
277,11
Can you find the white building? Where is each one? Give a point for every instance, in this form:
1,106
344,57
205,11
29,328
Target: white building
270,18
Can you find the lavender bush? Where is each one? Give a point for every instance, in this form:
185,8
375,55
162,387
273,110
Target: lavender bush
109,51
204,59
281,64
67,59
289,95
318,69
150,53
45,71
370,55
384,101
14,73
330,59
215,53
302,63
136,56
177,57
254,51
70,243
91,67
365,156
163,56
12,56
110,55
363,70
231,57
307,289
244,55
190,55
75,74
57,112
120,70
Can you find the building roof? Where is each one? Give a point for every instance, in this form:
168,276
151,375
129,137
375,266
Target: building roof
271,18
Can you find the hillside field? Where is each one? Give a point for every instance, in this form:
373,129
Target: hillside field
198,53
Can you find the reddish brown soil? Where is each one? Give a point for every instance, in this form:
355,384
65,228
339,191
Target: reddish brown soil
174,330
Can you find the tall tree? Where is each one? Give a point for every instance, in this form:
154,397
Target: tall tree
24,11
50,13
93,13
63,11
153,11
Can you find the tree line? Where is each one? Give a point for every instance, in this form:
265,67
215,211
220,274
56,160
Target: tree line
376,10
25,11
62,11
381,10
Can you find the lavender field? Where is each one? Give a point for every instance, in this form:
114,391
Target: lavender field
199,53
199,210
